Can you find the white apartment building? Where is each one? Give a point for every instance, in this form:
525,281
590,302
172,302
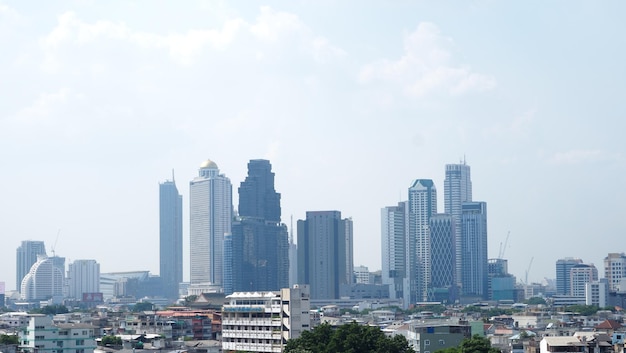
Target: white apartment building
41,335
264,322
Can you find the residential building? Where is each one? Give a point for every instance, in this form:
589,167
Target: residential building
170,238
42,335
210,213
361,275
457,189
83,277
563,267
256,254
442,287
429,337
394,247
324,247
580,275
26,256
475,278
45,280
615,270
265,321
422,206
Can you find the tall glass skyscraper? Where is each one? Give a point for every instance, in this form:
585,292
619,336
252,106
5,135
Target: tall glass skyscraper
457,189
563,271
170,238
210,215
474,261
394,251
442,285
422,206
26,256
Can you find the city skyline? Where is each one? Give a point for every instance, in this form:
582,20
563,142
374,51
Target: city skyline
351,101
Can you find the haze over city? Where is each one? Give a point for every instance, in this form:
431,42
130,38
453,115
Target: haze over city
350,102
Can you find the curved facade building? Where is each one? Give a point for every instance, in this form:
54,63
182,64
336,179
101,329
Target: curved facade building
43,281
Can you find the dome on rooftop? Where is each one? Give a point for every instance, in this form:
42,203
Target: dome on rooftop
208,164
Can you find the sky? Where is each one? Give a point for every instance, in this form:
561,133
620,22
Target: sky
349,100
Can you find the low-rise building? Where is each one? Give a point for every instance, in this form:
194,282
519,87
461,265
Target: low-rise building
42,335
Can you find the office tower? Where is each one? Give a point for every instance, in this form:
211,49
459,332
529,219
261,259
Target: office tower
323,253
44,280
83,278
26,256
170,238
442,285
457,189
422,205
580,275
614,270
257,251
293,258
597,293
210,214
501,283
395,257
563,268
475,278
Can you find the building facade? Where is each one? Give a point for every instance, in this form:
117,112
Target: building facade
45,280
323,249
170,238
422,206
474,259
457,189
394,247
563,268
210,214
615,270
265,321
580,275
83,277
442,287
42,335
26,256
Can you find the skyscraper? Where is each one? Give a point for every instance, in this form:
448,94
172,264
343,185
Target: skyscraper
457,189
170,238
442,285
83,277
257,252
26,256
210,214
614,270
563,268
394,251
323,253
580,276
422,205
474,261
44,280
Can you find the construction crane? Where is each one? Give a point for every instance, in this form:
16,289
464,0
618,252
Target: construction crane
528,270
503,248
55,244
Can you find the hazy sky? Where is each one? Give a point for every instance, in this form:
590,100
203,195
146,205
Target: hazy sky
349,100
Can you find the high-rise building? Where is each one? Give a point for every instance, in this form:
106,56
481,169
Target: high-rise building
563,268
323,251
257,251
580,275
44,280
442,285
457,189
170,238
83,277
614,270
474,260
26,256
422,206
210,214
394,236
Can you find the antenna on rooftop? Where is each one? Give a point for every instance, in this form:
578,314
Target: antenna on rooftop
173,179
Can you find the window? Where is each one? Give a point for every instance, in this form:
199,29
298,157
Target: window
426,343
442,342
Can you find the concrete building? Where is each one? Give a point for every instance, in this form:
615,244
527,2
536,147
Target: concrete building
597,293
170,238
422,206
210,213
41,335
45,280
443,284
457,189
615,270
394,239
429,337
580,275
324,247
563,267
265,321
361,275
83,276
474,259
26,256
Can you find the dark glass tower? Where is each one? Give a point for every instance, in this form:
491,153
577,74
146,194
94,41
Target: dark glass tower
475,277
26,256
256,254
170,238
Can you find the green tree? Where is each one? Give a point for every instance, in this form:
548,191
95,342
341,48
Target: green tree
584,310
348,338
111,340
51,310
535,301
9,339
143,306
475,344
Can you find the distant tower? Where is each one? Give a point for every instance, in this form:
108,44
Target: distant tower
474,261
170,238
563,268
26,256
257,251
210,214
44,280
442,286
457,189
580,275
83,277
395,274
422,206
614,270
323,253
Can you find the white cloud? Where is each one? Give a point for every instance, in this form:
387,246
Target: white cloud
583,156
427,66
519,126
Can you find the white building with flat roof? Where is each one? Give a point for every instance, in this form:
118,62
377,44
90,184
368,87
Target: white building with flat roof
42,335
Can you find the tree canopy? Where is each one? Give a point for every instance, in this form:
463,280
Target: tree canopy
475,344
9,339
348,338
51,310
